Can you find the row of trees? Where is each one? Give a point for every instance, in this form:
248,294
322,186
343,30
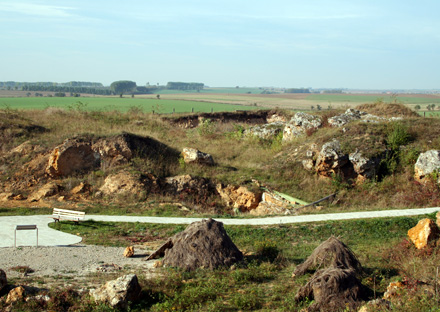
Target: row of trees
185,86
15,84
98,91
297,90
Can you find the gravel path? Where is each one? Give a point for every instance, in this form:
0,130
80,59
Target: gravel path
77,260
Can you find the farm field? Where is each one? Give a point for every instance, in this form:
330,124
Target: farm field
146,105
306,101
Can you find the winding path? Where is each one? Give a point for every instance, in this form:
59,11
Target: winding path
51,237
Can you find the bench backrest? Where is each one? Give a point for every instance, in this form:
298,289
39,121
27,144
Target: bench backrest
25,227
68,213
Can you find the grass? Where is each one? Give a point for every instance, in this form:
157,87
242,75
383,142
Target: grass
262,281
125,104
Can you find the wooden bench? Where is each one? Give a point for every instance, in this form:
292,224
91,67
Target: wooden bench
71,215
24,227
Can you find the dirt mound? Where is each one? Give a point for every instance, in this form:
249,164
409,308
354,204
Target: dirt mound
387,110
203,244
122,148
192,121
330,254
13,126
333,289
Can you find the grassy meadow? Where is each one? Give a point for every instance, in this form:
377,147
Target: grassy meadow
146,105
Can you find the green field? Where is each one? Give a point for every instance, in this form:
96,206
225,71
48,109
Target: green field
119,104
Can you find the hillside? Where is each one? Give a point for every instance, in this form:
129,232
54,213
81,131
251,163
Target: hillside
242,164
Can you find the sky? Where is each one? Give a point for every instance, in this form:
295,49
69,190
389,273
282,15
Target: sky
358,44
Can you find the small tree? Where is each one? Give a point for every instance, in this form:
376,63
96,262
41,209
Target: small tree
417,107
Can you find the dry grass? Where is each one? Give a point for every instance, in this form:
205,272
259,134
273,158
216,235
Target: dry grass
388,110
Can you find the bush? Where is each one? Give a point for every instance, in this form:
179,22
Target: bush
398,135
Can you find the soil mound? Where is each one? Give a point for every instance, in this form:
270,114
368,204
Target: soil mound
330,254
333,289
192,121
387,110
122,148
203,244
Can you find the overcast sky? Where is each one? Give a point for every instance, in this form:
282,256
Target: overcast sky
366,44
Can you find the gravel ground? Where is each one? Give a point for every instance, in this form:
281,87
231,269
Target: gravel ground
77,260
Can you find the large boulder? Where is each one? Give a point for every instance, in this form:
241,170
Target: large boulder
70,157
118,293
3,279
203,244
122,183
424,233
299,124
239,197
192,155
365,167
427,163
330,159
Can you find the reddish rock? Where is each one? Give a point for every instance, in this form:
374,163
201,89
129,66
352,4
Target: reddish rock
70,157
239,197
16,294
424,233
129,252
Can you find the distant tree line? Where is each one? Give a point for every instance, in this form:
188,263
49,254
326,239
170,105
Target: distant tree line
332,91
87,84
98,91
185,86
297,90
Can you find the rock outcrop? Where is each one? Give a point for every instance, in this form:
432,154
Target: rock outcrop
49,189
70,157
203,244
330,159
427,163
353,115
122,182
192,155
129,252
118,293
239,197
424,233
299,124
265,132
364,167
